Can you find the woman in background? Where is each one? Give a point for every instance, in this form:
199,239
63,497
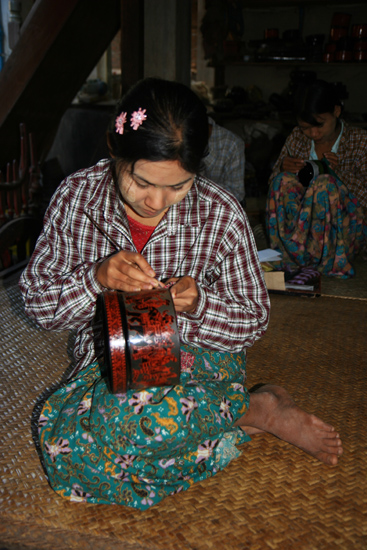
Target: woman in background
322,224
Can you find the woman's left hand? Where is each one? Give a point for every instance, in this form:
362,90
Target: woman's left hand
332,158
184,293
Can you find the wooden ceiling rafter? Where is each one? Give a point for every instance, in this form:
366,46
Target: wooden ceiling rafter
59,45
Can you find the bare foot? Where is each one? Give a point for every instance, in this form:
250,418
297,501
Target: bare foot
273,410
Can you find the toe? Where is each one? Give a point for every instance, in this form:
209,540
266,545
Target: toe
332,442
327,458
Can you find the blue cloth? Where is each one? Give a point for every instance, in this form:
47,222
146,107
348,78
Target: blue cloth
137,448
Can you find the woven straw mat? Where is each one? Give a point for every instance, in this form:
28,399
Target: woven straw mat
273,496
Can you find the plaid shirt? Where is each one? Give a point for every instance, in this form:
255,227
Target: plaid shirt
352,155
206,236
225,163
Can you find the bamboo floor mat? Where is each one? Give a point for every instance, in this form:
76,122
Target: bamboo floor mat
356,287
272,497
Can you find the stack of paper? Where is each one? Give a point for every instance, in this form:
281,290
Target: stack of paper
269,255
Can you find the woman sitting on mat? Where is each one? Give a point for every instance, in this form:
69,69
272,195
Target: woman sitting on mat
321,223
171,224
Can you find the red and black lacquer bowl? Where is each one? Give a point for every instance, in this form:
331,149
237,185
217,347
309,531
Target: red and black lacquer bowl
141,345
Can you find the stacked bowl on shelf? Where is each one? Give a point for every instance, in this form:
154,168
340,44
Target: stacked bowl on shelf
343,46
359,35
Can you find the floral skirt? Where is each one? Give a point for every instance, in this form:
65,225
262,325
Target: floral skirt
137,448
320,226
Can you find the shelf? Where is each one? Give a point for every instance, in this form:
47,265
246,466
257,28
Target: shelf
362,64
297,3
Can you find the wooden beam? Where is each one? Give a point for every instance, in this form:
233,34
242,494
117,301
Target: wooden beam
33,45
60,43
132,42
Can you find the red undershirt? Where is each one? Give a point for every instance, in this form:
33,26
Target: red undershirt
140,233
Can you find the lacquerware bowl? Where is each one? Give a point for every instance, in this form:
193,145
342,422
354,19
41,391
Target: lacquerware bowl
141,340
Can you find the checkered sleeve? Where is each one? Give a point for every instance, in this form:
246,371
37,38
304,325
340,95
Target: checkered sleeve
233,309
234,169
225,163
59,289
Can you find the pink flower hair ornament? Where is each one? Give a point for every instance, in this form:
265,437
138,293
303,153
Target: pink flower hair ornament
119,124
137,118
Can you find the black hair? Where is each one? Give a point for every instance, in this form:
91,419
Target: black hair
175,128
315,99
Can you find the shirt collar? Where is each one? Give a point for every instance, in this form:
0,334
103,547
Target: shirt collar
335,147
186,212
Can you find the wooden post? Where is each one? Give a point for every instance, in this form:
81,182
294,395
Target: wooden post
132,42
167,35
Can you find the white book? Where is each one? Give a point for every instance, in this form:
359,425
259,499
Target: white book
269,255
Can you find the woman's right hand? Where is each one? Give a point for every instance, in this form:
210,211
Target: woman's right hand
127,271
293,165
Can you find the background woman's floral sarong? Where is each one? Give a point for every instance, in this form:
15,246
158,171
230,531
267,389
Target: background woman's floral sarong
137,448
321,225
